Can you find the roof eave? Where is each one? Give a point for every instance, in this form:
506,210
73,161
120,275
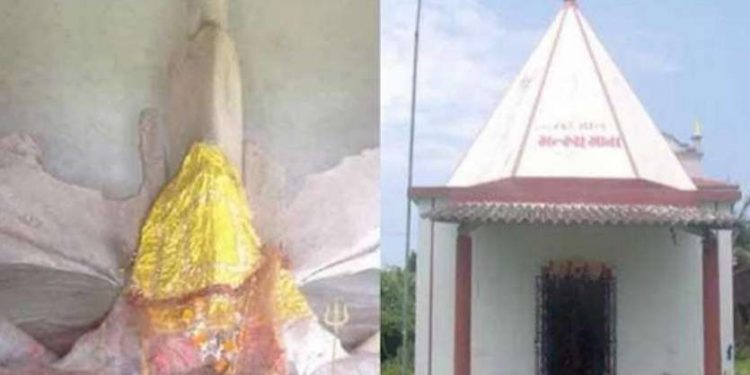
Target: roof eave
584,191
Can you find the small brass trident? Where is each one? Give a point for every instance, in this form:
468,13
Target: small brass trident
336,316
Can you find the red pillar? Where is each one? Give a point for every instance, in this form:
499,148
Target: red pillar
711,309
462,348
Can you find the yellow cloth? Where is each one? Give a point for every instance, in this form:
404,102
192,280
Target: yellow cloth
200,273
198,233
288,303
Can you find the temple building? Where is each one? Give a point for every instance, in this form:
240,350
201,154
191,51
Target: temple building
574,237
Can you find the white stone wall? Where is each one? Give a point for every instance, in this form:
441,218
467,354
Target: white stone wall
659,295
77,74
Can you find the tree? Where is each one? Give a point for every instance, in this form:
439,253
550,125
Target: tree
741,233
391,299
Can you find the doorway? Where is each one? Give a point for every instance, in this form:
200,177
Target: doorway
575,319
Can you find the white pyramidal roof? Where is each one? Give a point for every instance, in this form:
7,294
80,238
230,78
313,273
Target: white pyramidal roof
570,113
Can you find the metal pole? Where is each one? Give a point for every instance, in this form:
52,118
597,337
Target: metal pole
407,250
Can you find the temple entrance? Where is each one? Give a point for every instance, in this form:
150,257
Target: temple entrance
575,314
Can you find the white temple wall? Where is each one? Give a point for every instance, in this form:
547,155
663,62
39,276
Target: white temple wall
443,243
659,295
77,73
421,338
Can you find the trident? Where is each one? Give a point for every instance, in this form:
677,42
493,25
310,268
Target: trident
336,316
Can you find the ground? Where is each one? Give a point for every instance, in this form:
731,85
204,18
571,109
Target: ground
742,362
742,366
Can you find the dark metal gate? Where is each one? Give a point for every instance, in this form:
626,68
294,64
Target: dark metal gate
576,332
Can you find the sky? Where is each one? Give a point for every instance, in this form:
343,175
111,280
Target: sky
685,59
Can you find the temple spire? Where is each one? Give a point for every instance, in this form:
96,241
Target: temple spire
570,114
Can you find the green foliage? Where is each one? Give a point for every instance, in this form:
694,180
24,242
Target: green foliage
391,302
742,231
741,238
392,367
742,362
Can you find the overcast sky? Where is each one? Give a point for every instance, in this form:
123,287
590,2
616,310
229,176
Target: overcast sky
686,60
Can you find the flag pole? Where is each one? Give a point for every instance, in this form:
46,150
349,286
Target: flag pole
410,180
